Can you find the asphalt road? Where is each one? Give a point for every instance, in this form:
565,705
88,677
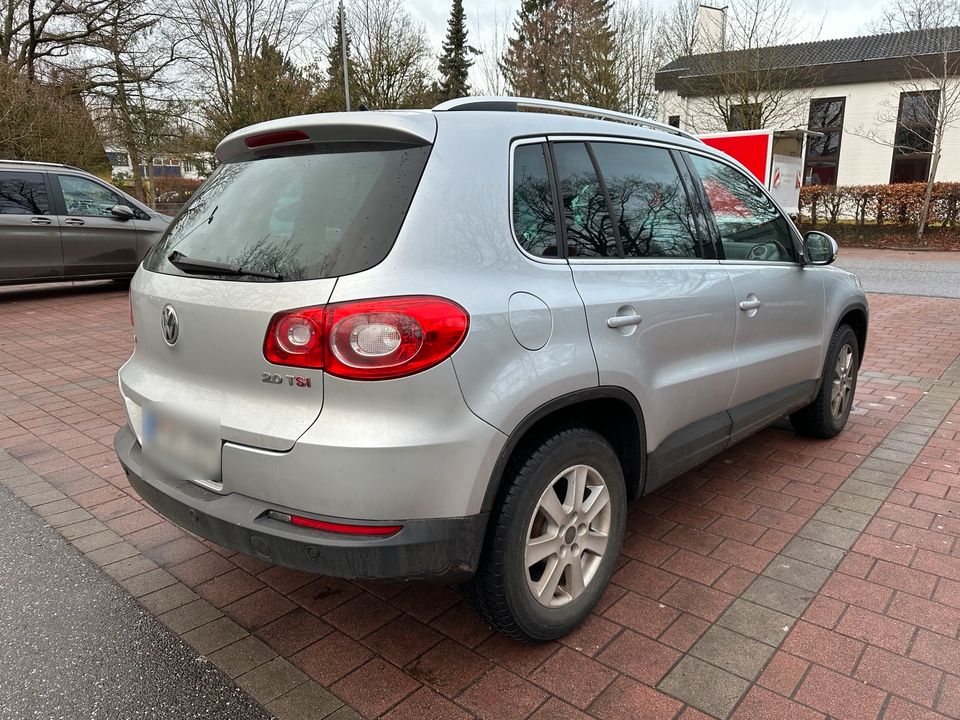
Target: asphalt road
74,645
901,273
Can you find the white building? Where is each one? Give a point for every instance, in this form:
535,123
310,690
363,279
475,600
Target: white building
164,166
864,94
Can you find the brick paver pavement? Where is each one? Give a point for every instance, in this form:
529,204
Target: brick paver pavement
787,578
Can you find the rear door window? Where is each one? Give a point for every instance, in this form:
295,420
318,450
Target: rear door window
648,200
309,212
589,227
534,221
23,193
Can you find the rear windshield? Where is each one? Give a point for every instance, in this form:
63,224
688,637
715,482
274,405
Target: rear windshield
314,211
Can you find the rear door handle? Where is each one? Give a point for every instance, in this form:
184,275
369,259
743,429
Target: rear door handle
41,221
73,221
619,321
747,305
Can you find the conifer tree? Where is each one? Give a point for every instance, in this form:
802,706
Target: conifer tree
456,60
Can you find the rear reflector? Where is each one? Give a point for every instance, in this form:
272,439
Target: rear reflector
338,528
275,138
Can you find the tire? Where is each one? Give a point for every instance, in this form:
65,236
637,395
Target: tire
503,590
822,418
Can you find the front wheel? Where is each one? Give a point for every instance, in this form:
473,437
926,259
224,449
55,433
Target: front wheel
827,415
554,537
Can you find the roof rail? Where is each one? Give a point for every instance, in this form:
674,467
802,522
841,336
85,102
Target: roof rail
37,162
513,104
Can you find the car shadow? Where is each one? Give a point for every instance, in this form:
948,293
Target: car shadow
40,291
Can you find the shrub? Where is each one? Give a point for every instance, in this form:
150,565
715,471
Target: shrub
896,204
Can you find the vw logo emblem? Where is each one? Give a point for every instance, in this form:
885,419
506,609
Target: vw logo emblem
170,324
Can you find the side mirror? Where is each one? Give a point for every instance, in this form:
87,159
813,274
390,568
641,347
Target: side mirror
819,248
123,212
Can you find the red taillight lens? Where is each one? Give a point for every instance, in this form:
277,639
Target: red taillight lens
335,527
275,138
368,339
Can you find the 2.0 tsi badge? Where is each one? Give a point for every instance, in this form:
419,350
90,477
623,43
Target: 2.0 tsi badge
170,325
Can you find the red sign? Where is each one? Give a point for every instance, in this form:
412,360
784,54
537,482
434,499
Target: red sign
750,150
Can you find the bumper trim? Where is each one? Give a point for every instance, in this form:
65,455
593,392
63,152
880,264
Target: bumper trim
442,548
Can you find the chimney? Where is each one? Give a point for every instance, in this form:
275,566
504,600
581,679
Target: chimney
711,28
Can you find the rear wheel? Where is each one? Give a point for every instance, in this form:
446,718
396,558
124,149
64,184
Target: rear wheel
827,415
554,537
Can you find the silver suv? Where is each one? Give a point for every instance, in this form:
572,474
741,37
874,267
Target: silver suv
58,223
456,343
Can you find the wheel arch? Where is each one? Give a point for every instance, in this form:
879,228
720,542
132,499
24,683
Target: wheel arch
856,316
612,411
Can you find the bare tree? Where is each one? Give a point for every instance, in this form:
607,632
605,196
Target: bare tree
639,53
749,75
488,75
393,55
928,101
678,29
220,36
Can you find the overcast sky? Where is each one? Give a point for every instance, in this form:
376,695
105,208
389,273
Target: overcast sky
838,19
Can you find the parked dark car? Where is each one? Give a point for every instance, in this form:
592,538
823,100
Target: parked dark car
60,223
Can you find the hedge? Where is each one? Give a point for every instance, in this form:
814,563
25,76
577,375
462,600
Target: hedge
896,204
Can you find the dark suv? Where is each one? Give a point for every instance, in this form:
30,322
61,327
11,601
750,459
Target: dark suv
60,223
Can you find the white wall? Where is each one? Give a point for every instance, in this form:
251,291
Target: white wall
870,110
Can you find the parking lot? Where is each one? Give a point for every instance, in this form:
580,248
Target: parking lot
786,578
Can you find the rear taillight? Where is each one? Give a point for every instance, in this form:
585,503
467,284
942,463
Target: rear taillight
368,339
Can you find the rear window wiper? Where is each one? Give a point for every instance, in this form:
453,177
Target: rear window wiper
210,267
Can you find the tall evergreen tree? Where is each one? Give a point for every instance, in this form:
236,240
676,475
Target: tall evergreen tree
333,97
456,59
564,50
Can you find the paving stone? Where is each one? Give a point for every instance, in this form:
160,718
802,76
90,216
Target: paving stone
242,656
797,572
757,622
271,680
192,615
813,552
168,598
305,702
743,656
129,567
857,503
214,635
849,519
148,582
705,687
112,553
788,599
855,486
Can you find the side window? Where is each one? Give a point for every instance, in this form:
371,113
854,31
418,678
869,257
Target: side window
85,197
23,193
534,221
649,201
751,226
589,226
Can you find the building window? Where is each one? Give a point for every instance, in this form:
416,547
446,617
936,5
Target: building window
118,159
913,142
745,117
823,152
674,121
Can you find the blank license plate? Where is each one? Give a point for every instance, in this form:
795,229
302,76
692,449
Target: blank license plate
189,446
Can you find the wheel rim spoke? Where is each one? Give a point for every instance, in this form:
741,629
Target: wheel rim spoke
550,580
541,548
575,577
594,542
550,504
598,500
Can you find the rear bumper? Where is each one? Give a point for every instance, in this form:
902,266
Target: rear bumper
444,548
